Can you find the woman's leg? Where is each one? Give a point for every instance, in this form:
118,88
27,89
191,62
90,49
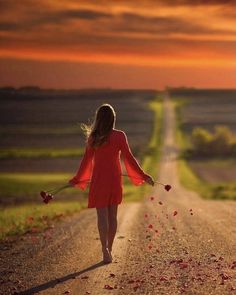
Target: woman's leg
112,224
102,221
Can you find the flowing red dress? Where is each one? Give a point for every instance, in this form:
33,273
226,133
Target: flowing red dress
102,168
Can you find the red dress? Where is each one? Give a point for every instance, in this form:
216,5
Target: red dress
101,166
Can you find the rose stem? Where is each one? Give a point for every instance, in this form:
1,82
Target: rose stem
56,190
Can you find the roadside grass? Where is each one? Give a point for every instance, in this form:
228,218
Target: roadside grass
19,219
6,130
24,210
25,187
12,153
34,218
151,155
189,179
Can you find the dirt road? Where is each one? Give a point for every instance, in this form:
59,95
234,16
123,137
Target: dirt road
157,250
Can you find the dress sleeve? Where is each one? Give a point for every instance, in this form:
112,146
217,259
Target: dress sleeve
84,173
134,171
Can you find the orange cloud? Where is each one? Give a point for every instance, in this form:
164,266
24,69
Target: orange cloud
135,33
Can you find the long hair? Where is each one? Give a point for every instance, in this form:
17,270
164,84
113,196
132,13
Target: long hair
97,133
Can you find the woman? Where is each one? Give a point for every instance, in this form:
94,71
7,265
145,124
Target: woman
101,166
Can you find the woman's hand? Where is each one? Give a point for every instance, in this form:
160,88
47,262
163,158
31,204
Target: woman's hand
149,180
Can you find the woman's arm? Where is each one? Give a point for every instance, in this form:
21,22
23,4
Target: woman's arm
84,172
134,171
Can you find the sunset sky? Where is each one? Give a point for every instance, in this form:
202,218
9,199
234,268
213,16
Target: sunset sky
119,44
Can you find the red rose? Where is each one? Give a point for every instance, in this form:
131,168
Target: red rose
167,187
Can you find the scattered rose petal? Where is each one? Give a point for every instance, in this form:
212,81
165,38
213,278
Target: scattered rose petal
163,279
151,266
222,282
30,219
224,276
136,287
131,281
183,265
233,265
34,230
108,287
34,239
150,226
221,258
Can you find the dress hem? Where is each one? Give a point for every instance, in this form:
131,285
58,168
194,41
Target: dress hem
103,206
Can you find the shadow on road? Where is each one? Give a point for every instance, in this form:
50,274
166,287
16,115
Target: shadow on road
53,283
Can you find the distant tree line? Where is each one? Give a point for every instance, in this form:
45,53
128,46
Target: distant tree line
220,142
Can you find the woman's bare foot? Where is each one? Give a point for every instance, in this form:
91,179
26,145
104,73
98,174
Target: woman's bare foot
110,250
107,258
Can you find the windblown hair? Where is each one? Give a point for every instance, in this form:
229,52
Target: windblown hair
97,133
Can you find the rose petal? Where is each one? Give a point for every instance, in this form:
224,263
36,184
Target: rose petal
224,276
163,279
167,187
131,281
232,288
136,287
183,265
175,213
43,194
108,287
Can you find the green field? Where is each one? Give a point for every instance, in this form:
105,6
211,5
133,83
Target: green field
30,153
212,177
